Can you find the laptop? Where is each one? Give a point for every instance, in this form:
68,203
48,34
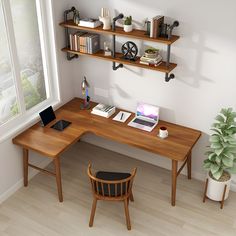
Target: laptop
147,117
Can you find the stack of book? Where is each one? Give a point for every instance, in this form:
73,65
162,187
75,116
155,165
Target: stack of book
150,60
84,42
90,22
103,110
155,26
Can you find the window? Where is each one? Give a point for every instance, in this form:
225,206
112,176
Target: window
24,59
8,95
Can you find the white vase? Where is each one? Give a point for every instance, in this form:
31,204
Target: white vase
128,28
215,189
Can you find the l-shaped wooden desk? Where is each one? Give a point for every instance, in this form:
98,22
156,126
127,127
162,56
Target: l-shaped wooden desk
51,143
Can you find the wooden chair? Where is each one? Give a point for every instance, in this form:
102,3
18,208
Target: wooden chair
111,186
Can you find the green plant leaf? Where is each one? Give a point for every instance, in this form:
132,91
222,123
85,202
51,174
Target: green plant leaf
231,149
216,145
207,165
232,142
218,160
220,118
208,153
212,156
219,151
229,155
233,169
214,168
217,131
214,138
218,174
216,125
224,111
227,161
231,130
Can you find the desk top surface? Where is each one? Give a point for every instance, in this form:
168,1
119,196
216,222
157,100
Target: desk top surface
52,143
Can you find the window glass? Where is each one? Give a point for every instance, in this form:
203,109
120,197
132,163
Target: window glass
8,101
26,29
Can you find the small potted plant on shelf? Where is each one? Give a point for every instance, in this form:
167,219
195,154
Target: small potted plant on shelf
221,158
128,27
151,52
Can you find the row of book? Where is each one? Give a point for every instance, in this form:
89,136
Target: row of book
156,26
84,42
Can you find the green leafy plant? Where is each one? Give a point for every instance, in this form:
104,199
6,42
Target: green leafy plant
151,50
128,20
222,154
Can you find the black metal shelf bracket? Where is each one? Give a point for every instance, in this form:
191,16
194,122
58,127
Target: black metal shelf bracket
171,27
168,77
120,16
69,56
114,67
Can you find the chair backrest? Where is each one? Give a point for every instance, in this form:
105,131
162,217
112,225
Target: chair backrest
111,189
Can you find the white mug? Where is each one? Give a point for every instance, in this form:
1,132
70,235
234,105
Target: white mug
163,132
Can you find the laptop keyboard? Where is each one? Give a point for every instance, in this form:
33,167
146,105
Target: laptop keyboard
143,122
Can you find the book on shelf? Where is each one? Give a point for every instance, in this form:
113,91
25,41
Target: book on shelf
90,22
85,42
103,110
151,61
155,26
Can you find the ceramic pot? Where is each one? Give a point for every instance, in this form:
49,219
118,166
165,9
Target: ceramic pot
128,28
215,189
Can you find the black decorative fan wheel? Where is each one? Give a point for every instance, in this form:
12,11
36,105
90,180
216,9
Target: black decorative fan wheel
129,50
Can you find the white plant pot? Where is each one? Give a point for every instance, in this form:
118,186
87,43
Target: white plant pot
215,189
128,28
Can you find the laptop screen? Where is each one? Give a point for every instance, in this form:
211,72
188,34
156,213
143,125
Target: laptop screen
148,111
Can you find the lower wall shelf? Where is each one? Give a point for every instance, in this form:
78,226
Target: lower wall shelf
100,55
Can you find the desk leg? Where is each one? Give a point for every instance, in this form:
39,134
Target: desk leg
174,181
25,165
58,177
189,165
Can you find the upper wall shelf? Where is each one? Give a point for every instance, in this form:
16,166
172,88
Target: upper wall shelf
138,34
165,66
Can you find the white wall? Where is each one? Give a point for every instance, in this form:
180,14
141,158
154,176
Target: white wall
11,170
205,77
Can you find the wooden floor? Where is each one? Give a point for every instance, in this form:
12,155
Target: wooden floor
35,210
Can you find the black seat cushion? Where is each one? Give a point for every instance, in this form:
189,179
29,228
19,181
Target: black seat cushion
112,176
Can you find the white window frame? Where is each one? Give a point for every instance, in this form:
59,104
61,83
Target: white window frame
25,118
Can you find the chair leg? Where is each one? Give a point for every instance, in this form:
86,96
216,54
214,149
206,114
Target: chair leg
93,212
127,214
131,196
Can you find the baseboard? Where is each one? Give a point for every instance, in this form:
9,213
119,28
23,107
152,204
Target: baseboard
20,183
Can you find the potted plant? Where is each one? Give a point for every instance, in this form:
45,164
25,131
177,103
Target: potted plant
151,52
221,158
128,27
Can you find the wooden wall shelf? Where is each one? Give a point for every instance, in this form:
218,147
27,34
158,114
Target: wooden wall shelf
165,67
100,55
138,34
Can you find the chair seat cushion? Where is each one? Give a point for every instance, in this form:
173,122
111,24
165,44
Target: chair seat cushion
114,192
